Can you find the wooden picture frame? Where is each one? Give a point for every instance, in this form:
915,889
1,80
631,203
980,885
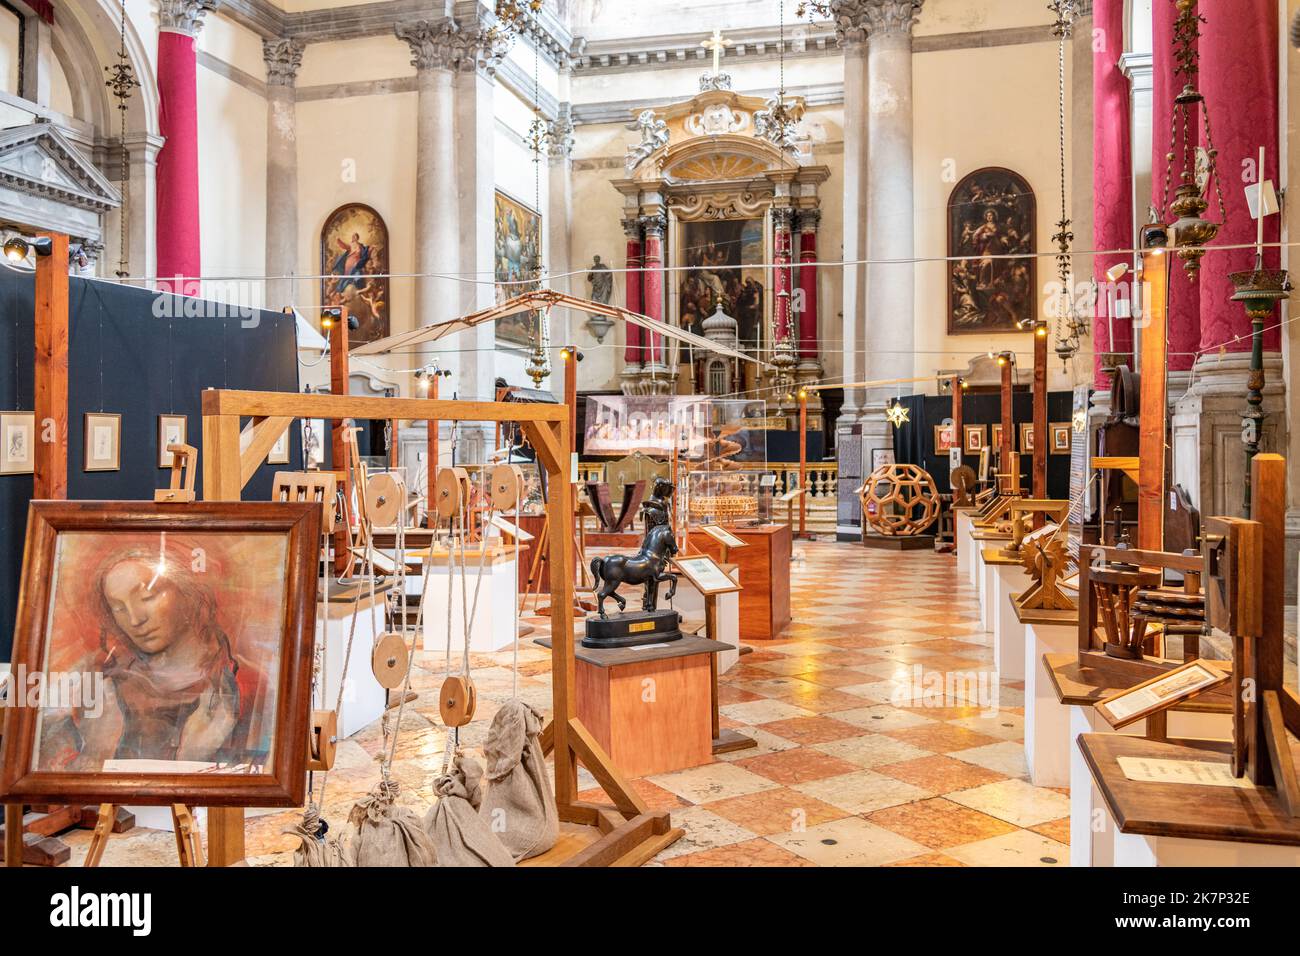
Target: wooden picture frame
703,572
102,446
63,612
943,439
1026,438
974,438
1160,693
723,536
1061,438
985,457
995,437
17,443
279,453
172,430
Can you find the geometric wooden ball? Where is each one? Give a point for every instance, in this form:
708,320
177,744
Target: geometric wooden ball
900,500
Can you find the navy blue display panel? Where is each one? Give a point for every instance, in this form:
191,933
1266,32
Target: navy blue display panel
914,442
137,354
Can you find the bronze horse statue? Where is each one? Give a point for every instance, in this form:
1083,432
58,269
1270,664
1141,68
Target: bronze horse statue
648,566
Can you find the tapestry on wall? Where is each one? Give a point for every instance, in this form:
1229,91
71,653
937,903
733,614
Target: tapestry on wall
991,215
354,261
518,237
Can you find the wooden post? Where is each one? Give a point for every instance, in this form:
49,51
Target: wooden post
559,510
338,439
1153,410
51,371
431,460
803,464
1040,415
957,417
1268,507
1008,419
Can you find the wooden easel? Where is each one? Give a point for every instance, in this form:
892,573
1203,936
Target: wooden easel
189,842
629,833
183,473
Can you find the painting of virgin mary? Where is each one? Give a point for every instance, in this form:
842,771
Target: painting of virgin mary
354,262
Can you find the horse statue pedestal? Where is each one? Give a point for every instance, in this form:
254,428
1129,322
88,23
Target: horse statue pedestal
632,628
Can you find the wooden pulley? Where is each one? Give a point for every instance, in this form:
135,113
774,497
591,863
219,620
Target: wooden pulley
505,485
390,661
449,496
385,495
457,700
322,741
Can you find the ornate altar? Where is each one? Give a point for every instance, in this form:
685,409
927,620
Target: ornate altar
712,183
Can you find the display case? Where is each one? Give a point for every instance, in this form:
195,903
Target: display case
725,478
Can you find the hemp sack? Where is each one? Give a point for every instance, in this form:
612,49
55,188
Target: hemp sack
520,802
460,836
385,834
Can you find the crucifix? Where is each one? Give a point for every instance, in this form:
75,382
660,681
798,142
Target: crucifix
717,44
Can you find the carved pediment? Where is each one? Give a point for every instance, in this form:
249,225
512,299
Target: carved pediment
40,161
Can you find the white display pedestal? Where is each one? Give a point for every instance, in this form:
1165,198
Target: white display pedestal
494,618
1008,632
363,698
965,547
988,584
1047,722
1132,849
1095,840
690,603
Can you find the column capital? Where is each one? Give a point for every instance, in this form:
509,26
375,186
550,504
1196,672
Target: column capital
891,17
809,219
446,45
654,225
561,140
183,16
782,218
632,228
283,58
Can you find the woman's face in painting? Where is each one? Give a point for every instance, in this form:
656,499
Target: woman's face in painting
151,618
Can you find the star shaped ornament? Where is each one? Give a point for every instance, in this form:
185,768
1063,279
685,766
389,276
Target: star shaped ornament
897,414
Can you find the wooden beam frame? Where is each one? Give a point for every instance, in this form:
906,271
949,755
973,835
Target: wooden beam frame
547,428
50,381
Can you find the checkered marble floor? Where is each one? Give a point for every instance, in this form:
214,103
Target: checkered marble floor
884,738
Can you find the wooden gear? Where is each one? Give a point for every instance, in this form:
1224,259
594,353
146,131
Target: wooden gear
964,483
892,495
1044,557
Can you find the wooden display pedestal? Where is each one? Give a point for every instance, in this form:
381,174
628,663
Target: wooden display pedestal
898,542
765,574
649,707
1169,824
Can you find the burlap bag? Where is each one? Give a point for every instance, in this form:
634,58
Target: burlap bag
314,850
520,802
460,836
385,834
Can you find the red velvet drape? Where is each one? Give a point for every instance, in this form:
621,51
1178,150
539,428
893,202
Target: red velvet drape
178,164
1112,204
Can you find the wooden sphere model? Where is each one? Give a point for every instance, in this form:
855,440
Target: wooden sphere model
899,500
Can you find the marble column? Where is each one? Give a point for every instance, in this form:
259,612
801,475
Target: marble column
1112,189
560,195
434,54
1209,458
891,278
633,301
851,33
1079,156
283,58
656,377
178,238
142,150
782,284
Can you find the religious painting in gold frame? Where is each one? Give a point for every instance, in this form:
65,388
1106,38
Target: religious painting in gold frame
991,215
517,238
354,266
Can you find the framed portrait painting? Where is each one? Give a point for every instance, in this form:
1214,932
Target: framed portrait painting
943,438
1027,438
171,431
354,263
995,439
103,449
1062,437
17,443
973,438
991,223
518,236
167,654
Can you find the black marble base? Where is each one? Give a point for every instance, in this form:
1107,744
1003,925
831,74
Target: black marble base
631,628
899,542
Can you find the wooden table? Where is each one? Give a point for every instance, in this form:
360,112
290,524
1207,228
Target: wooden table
649,707
764,575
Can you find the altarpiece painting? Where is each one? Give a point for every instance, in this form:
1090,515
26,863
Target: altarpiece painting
518,238
991,219
354,261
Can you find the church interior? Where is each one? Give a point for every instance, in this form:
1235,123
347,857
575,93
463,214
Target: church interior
760,433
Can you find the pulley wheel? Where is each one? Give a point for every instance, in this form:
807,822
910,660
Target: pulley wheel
505,485
390,662
384,497
448,493
456,701
323,739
